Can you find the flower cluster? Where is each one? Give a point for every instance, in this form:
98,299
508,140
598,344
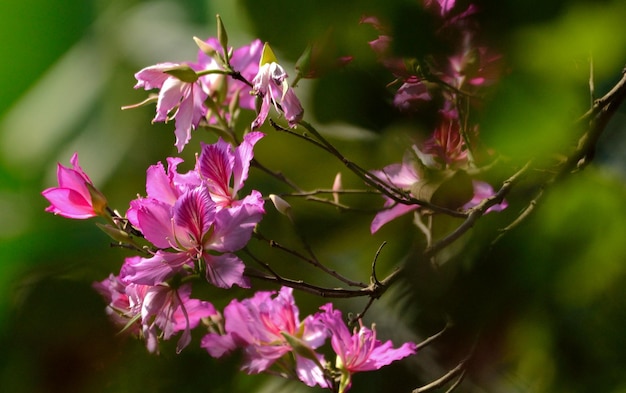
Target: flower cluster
221,81
455,79
195,222
269,332
190,227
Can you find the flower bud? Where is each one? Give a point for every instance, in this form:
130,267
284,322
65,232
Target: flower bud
281,205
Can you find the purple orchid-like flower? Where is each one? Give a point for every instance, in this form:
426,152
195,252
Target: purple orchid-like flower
194,218
154,311
266,328
271,86
75,197
181,96
201,236
361,350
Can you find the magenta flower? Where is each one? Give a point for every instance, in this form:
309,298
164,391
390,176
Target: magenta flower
270,84
259,325
359,351
199,234
75,197
158,311
182,100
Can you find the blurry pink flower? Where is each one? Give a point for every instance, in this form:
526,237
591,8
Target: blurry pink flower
158,311
359,351
443,6
411,94
271,85
185,98
483,190
402,176
473,66
446,146
75,197
257,325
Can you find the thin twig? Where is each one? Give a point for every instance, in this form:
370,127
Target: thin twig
444,379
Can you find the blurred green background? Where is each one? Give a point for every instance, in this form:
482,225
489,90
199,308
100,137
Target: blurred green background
546,306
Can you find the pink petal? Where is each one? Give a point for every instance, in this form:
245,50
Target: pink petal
225,270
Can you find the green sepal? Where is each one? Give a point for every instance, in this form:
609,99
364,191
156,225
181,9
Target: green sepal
115,233
222,37
183,72
300,348
98,200
303,65
205,48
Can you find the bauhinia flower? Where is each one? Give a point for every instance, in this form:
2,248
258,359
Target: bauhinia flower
271,86
154,311
202,237
75,197
404,176
181,96
359,351
267,328
196,219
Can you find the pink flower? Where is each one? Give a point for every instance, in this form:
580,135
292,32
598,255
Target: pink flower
75,197
183,98
258,326
411,94
198,233
158,311
402,176
446,146
359,351
271,85
483,190
225,169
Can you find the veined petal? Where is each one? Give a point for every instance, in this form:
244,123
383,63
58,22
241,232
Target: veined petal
233,226
194,212
154,219
225,270
170,96
155,270
153,77
215,165
242,157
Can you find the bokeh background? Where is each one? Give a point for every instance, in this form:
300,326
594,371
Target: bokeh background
545,308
